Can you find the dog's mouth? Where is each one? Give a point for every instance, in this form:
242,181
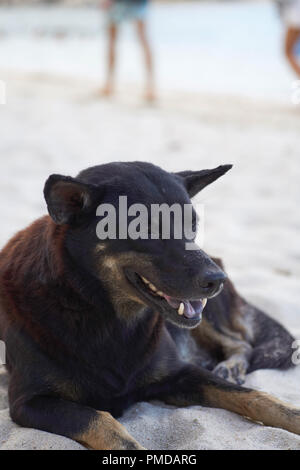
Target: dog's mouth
183,312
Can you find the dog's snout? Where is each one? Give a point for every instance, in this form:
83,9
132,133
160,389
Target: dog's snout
212,282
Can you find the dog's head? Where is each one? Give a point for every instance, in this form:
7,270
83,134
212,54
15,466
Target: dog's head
118,231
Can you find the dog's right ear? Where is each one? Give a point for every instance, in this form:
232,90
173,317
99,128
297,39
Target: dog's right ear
68,199
195,181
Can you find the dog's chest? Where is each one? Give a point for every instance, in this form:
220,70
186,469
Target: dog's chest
188,350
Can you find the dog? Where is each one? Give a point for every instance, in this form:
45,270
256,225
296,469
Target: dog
92,326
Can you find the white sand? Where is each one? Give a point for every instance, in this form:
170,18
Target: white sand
251,215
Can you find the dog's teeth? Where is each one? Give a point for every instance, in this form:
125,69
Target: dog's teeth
181,309
159,292
145,280
152,287
204,302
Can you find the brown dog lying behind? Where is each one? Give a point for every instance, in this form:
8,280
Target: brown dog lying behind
92,326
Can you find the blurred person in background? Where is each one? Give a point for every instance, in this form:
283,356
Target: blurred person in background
290,13
118,11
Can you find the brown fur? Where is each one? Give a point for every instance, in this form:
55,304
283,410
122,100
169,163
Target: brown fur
106,433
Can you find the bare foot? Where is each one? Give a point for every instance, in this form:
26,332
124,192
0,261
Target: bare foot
107,90
150,95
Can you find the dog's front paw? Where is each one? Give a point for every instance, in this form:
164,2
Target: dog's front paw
137,446
233,372
133,445
126,444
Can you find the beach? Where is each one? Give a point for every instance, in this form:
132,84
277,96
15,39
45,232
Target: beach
55,122
210,47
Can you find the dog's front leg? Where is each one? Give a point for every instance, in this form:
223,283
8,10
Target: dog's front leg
94,429
196,386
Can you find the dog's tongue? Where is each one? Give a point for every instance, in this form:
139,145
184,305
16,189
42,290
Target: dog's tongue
192,308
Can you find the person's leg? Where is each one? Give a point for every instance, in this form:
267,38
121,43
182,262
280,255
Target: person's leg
291,37
142,35
111,59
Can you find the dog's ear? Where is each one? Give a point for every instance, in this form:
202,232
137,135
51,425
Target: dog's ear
68,200
195,181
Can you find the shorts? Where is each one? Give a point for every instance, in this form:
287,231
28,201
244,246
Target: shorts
126,11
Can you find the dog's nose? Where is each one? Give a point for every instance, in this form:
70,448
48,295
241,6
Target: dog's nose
212,282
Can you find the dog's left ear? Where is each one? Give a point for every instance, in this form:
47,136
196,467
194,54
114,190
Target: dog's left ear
195,181
69,200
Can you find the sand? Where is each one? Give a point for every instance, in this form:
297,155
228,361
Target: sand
56,124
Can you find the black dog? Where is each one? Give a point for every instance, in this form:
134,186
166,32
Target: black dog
93,326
